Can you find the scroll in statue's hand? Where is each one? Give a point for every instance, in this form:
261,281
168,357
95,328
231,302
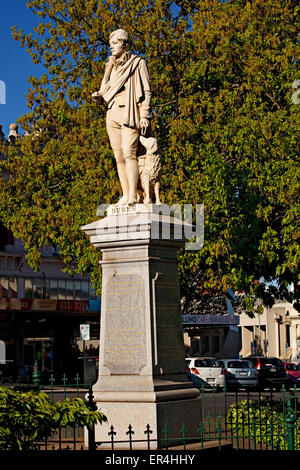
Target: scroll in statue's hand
144,124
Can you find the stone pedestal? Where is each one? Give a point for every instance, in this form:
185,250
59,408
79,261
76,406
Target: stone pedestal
142,378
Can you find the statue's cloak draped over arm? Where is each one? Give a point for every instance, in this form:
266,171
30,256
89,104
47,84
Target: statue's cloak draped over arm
133,75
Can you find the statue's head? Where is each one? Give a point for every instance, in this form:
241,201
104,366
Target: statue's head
119,42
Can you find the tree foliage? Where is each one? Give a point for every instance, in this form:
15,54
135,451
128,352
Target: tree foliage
221,76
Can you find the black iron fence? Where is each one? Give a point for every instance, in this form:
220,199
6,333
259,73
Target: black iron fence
244,419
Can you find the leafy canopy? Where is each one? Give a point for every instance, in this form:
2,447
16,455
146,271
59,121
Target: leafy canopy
221,76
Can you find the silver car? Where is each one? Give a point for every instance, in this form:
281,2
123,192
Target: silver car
207,370
239,373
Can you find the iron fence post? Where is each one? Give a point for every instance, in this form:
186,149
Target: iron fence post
166,435
201,431
202,402
36,376
91,431
51,385
148,432
225,409
130,432
208,424
220,431
77,379
290,425
271,432
237,437
214,411
65,380
295,399
254,432
112,434
184,431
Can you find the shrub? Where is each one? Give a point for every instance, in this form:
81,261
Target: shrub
263,422
27,418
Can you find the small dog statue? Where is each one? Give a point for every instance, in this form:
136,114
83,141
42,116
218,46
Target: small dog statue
149,171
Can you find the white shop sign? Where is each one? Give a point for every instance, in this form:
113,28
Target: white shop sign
85,332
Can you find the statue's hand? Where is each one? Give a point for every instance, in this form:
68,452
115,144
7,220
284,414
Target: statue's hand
96,96
144,124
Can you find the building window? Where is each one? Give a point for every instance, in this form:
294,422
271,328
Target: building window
53,289
28,289
38,289
69,290
85,290
78,290
47,289
92,292
61,289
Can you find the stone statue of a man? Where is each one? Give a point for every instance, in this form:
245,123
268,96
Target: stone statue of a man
126,90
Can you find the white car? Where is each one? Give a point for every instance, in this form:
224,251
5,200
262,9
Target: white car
206,369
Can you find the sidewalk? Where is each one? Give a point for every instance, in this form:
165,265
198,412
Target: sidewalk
223,444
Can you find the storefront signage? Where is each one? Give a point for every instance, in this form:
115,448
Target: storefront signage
72,305
210,319
85,332
44,305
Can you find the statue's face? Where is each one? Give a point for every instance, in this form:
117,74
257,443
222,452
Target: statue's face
116,47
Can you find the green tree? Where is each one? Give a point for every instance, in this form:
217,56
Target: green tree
221,76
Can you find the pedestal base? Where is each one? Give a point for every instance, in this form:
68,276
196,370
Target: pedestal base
172,414
142,380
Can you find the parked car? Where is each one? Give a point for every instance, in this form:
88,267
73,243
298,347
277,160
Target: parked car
239,373
293,372
207,371
271,371
196,379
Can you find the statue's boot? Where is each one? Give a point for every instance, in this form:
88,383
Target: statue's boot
132,177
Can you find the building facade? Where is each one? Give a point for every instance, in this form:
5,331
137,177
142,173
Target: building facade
276,332
41,313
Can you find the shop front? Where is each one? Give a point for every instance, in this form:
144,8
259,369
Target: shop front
211,335
47,333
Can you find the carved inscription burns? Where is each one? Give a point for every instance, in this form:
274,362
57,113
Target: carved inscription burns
125,350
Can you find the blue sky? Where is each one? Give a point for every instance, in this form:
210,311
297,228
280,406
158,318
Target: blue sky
15,63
